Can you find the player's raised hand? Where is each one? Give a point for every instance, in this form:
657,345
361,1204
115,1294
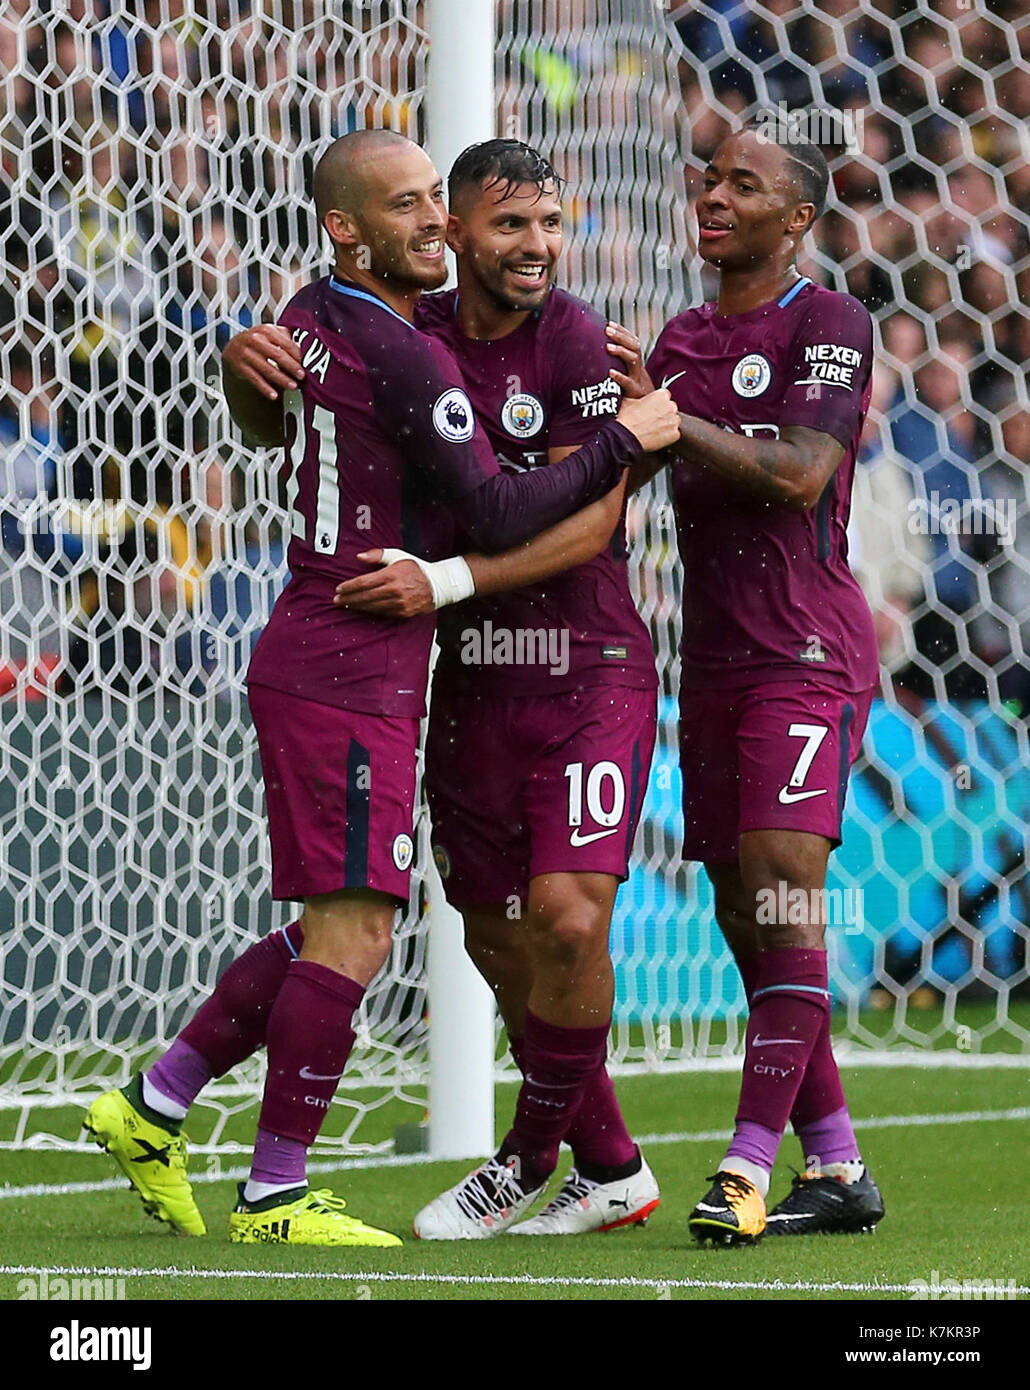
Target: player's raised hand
623,344
400,590
266,357
654,419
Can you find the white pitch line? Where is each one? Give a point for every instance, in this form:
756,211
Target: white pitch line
967,1117
342,1165
469,1280
846,1054
64,1189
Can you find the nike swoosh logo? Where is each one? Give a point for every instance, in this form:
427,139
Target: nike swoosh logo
787,797
670,379
576,840
765,1042
315,1076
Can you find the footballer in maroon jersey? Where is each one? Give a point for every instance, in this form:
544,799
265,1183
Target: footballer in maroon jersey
536,769
543,717
382,446
778,656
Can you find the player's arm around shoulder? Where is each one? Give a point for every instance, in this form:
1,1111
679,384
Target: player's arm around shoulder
587,394
600,372
258,365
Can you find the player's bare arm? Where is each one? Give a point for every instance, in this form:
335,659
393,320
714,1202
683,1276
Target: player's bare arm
792,470
404,590
572,542
258,365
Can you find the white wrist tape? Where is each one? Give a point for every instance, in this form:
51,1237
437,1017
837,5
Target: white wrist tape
450,580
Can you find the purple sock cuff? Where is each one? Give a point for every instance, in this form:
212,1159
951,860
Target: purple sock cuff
181,1074
341,987
789,962
756,1143
831,1139
278,1159
565,1041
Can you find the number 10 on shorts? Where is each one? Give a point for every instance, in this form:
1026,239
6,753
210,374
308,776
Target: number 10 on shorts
604,783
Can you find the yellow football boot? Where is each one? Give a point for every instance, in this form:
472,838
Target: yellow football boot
300,1217
151,1152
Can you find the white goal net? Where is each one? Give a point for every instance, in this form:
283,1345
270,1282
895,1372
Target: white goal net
155,160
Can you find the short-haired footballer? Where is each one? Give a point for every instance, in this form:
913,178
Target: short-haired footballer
382,448
779,658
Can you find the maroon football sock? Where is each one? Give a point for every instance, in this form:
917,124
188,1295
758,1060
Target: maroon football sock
820,1116
748,974
309,1041
230,1025
597,1136
557,1064
788,1007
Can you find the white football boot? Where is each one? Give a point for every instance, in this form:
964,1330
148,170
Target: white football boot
482,1205
583,1205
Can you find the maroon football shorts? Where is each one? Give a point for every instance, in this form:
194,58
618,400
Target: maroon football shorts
340,791
768,757
533,785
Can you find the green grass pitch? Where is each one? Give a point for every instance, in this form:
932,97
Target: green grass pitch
957,1192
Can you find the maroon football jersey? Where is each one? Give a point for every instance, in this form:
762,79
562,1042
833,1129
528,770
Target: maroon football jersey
767,592
544,386
383,450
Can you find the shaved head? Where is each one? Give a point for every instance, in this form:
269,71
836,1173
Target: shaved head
380,200
340,181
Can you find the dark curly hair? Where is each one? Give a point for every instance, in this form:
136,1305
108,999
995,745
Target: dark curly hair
508,163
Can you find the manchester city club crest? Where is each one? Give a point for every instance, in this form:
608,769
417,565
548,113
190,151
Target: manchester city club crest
751,375
442,860
522,415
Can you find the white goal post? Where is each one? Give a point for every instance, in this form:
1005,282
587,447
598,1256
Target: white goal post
461,1006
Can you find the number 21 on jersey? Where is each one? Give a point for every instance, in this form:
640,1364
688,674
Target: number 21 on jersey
327,507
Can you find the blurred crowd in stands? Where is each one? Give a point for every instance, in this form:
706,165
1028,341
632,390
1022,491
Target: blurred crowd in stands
143,146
